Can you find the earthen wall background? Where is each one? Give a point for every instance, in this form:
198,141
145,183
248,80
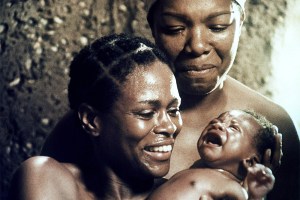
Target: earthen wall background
39,37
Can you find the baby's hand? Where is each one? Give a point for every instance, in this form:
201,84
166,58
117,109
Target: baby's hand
259,181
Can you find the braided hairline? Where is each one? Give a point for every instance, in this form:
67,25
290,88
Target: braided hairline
99,71
107,69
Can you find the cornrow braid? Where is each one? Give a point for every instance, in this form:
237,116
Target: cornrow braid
99,69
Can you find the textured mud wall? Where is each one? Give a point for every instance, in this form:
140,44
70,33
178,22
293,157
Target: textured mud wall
39,38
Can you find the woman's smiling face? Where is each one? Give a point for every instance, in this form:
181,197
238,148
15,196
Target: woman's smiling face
200,37
139,133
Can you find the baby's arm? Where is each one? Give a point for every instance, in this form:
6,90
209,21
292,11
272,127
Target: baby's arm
259,181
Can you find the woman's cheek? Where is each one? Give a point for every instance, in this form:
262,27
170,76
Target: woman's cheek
141,125
222,41
142,128
170,45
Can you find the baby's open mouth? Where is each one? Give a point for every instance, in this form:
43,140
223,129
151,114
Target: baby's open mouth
213,138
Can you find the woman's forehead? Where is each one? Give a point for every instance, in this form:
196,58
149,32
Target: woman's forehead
149,3
193,9
151,80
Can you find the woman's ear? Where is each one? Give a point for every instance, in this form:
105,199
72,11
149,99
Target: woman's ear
89,119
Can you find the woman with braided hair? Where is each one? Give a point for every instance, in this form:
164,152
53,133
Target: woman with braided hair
201,38
125,100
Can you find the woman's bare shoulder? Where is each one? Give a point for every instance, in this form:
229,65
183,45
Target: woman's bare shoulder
246,98
243,97
40,177
43,166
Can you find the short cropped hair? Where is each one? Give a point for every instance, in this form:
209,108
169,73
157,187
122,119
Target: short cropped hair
265,138
99,69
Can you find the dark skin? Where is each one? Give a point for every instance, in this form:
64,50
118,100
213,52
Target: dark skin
207,45
201,38
229,167
211,184
131,145
225,147
227,141
199,184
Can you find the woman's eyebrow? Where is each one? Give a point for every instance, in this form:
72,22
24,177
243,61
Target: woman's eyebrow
178,16
174,101
184,18
217,14
155,103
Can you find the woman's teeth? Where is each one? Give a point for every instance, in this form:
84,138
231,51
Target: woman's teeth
165,148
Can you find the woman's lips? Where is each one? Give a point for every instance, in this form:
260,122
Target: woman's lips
194,71
159,152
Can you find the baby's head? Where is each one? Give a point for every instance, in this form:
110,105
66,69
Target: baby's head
235,139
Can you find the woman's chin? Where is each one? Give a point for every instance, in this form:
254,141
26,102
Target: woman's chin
195,89
160,171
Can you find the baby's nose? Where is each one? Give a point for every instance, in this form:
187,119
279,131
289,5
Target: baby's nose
219,125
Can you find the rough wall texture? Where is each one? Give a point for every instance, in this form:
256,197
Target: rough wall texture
39,38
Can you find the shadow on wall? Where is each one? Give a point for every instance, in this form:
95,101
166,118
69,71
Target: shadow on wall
286,65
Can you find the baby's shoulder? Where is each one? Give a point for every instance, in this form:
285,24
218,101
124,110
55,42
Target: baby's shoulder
192,176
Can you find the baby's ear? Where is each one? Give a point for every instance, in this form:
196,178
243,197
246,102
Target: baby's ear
251,161
89,119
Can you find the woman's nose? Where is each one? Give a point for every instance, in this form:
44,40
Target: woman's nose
197,42
165,125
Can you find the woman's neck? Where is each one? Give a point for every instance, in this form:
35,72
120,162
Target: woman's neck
215,98
107,183
119,188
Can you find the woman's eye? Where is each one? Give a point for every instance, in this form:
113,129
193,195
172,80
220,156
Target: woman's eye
174,112
146,114
173,30
218,28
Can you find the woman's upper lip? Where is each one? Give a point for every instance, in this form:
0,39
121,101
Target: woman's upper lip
162,142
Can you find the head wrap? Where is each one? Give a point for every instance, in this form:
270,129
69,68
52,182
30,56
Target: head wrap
149,3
